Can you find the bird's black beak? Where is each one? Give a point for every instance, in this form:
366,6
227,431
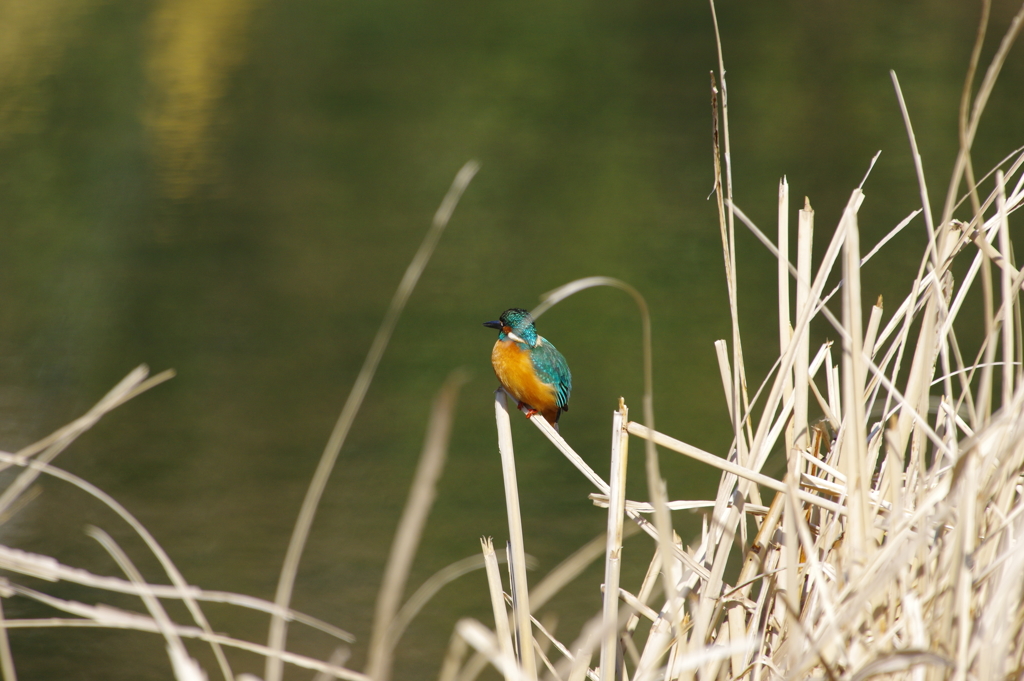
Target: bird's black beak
493,325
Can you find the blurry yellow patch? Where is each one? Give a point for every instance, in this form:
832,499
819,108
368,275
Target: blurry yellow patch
196,45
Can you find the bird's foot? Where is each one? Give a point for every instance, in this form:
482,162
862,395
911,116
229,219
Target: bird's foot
529,413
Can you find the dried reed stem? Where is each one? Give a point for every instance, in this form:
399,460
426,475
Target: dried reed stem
517,551
497,598
304,521
613,553
410,527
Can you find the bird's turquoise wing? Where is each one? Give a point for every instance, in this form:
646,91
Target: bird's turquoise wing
552,368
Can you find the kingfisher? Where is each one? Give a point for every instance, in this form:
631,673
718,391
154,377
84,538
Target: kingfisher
529,367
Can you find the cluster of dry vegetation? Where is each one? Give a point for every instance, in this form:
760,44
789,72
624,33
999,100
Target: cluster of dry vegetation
893,545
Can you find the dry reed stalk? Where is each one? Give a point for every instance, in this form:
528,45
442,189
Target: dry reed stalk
185,668
48,569
497,598
516,550
47,449
410,528
134,384
286,582
785,325
6,659
552,583
727,466
613,554
338,659
481,638
793,460
453,657
662,528
105,616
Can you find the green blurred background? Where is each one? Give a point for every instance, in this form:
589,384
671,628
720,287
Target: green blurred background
233,188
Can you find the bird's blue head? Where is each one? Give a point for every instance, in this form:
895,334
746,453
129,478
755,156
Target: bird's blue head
515,324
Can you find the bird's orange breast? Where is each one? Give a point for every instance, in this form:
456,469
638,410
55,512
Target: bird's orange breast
513,367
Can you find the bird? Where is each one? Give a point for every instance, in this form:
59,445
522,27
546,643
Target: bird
529,367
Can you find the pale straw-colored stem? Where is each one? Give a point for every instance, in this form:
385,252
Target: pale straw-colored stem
728,466
338,658
785,321
497,598
6,659
964,156
909,409
185,668
517,557
613,553
805,237
57,442
575,459
304,521
874,320
803,319
652,530
46,568
428,589
801,439
727,227
108,617
453,657
410,528
655,483
981,99
1008,293
791,549
484,640
132,385
854,456
929,222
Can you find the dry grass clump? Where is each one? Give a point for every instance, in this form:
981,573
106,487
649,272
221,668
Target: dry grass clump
893,545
